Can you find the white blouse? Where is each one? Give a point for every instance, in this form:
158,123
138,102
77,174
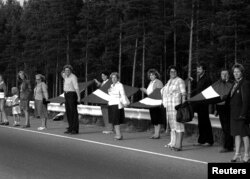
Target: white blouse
117,94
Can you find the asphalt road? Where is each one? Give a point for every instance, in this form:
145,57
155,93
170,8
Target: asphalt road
27,154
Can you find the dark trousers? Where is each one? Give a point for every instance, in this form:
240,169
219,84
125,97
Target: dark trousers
224,115
71,111
204,125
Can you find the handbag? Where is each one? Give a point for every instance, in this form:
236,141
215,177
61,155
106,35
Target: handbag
185,112
45,101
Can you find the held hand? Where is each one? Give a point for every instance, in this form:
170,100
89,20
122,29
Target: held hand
143,89
191,78
216,113
78,100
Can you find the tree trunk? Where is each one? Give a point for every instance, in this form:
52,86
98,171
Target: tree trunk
57,78
67,51
120,50
235,43
190,51
143,58
197,34
134,66
175,5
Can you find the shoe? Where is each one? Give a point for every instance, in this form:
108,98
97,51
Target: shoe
203,144
41,128
170,146
154,137
26,126
226,150
74,132
118,137
107,132
236,158
177,149
246,159
208,144
67,132
197,144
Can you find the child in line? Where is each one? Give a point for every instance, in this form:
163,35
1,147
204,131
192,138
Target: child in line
14,103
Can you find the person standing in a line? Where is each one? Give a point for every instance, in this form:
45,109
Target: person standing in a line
115,104
3,93
223,109
204,124
14,103
156,112
239,113
25,91
109,127
72,98
41,96
173,94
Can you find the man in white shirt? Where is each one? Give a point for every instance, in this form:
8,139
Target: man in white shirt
72,98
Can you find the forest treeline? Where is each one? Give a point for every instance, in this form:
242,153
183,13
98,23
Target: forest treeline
128,36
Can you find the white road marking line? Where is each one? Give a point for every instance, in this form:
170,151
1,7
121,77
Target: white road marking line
110,145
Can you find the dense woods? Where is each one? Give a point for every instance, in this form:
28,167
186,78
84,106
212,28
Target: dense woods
128,36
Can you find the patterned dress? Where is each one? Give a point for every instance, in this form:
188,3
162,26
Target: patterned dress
172,95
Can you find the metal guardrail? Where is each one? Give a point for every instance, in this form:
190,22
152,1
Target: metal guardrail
131,113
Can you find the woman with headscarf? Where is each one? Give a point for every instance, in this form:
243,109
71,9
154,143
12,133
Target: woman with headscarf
41,97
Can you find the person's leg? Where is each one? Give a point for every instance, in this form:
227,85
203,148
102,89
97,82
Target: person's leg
15,120
75,116
204,125
179,139
237,155
157,130
27,118
2,108
172,127
224,116
108,126
68,112
118,133
246,149
18,119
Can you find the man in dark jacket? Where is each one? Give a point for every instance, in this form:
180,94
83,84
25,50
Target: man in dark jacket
223,110
204,124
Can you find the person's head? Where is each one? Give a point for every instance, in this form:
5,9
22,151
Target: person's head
22,75
67,69
114,77
39,78
224,74
173,71
238,71
153,74
104,75
14,90
200,69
